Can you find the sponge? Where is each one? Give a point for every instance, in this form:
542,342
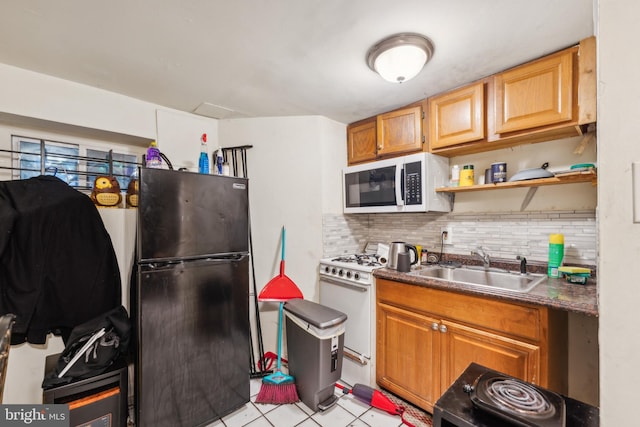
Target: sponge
577,275
574,270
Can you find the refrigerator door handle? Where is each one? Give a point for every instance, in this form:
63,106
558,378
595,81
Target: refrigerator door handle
166,263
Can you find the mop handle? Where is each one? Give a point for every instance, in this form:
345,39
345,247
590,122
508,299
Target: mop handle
280,332
282,256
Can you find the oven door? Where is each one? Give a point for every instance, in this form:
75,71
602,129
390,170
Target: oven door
355,301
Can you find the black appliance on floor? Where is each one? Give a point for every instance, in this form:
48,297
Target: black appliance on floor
97,401
482,397
190,298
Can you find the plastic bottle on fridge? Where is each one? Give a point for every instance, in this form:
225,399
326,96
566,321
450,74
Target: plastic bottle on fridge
153,159
203,162
556,254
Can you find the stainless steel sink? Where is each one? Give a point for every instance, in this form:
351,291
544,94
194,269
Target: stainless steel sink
515,282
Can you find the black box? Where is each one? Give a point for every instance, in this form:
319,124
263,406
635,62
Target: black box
99,401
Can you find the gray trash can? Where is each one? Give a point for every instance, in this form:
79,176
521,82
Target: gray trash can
315,341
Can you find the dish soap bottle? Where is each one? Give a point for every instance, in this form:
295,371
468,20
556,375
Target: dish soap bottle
153,159
203,162
556,254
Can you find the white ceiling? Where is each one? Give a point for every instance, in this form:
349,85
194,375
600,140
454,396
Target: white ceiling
262,58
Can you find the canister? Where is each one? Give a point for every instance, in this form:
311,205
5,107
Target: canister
466,176
488,176
499,172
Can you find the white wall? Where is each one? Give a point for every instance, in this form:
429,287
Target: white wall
38,96
619,269
287,166
179,137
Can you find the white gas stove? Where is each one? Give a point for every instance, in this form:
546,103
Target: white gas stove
356,268
347,284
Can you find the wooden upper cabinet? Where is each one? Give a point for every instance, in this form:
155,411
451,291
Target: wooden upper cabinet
587,83
400,131
361,141
546,99
457,117
536,94
386,135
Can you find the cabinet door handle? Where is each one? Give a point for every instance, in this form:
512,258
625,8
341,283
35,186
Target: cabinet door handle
434,326
443,328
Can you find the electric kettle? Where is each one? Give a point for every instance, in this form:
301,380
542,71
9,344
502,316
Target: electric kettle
397,247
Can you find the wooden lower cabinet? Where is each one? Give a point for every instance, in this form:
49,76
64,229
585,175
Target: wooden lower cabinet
406,366
462,345
426,338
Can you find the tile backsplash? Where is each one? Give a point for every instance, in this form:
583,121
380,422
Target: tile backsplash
504,235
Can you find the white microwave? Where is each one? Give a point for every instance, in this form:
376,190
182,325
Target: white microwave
400,184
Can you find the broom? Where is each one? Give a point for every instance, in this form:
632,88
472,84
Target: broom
279,387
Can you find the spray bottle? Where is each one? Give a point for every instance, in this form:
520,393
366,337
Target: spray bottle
153,158
203,162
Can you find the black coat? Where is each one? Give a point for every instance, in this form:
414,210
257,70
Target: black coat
58,268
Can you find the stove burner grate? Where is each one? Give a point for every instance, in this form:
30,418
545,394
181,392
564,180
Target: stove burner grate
369,260
519,397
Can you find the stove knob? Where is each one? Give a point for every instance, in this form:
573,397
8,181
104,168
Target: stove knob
327,269
340,273
348,275
356,276
333,270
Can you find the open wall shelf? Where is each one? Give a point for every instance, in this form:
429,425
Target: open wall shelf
565,178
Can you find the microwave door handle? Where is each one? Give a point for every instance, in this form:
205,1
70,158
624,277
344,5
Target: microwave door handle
400,188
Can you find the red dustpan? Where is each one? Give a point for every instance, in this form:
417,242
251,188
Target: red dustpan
280,288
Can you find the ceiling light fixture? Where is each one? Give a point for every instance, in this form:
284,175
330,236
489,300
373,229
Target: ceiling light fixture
400,57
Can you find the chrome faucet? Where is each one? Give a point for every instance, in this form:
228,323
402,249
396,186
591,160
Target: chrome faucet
482,253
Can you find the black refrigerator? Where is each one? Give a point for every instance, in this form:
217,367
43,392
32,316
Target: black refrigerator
190,298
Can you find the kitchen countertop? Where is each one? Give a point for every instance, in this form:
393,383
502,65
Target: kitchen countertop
553,293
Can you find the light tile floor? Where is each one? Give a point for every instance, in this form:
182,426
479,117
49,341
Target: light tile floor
348,412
